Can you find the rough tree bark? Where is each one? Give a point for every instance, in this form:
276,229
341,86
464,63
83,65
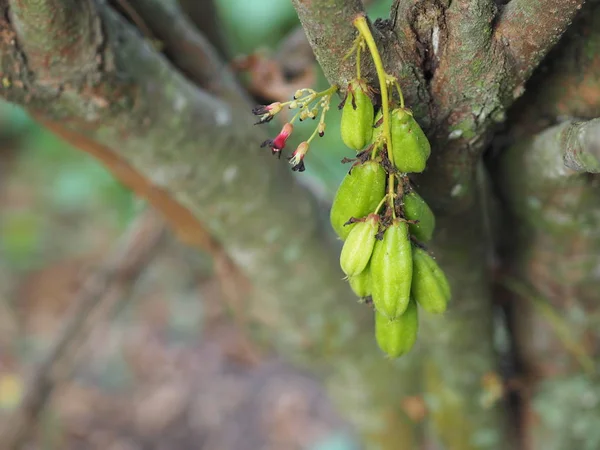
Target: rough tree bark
549,184
177,131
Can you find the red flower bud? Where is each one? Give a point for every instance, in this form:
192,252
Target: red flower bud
278,143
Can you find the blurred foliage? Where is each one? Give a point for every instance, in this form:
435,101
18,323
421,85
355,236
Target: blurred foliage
252,25
337,441
44,176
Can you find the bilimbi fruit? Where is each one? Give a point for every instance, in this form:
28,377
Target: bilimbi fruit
359,194
357,249
396,337
391,271
416,209
357,116
361,283
410,146
430,287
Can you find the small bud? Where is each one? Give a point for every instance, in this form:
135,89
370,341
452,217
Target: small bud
293,105
297,158
321,129
298,93
278,143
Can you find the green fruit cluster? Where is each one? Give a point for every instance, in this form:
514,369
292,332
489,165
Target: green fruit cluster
384,222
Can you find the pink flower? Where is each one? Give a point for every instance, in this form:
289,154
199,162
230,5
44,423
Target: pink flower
278,143
267,112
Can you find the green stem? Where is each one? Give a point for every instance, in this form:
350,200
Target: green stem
306,101
295,116
330,91
313,135
391,194
363,28
361,25
321,120
358,48
400,94
374,151
380,204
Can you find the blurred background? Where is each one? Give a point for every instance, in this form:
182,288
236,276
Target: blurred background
169,366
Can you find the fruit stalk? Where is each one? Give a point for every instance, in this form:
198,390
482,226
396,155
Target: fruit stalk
363,28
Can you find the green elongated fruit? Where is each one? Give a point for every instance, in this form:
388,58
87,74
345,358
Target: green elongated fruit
397,337
410,146
361,283
415,208
430,287
391,271
359,194
357,249
357,116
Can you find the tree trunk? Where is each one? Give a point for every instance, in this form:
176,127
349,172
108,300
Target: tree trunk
551,191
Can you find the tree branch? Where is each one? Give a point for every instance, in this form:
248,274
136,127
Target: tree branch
530,28
565,150
462,45
189,50
328,27
101,290
204,16
552,216
462,57
568,83
460,354
60,37
549,255
580,143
